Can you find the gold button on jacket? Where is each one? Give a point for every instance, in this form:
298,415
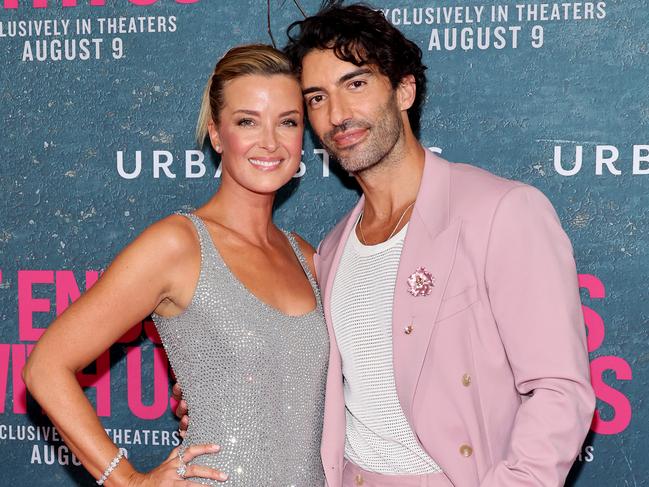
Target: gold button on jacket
466,451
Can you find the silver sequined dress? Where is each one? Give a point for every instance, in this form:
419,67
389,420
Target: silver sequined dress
253,377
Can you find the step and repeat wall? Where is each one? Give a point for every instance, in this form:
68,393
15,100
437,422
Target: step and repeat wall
99,100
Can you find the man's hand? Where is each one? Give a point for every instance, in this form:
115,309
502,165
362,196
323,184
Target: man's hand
181,410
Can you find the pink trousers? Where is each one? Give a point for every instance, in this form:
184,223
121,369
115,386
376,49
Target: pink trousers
354,476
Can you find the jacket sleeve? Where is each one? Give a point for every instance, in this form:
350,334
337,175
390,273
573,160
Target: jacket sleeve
533,290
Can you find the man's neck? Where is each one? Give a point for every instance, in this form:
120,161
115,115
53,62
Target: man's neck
392,185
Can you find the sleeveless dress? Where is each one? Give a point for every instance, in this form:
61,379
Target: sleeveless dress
253,377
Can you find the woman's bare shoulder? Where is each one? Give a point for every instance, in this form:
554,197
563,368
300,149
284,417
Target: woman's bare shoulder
173,235
161,248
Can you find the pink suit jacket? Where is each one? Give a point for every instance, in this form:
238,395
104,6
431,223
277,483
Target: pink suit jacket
494,376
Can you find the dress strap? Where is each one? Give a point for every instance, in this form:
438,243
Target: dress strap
204,237
300,257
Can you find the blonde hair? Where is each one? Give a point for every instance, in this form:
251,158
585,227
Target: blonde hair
249,59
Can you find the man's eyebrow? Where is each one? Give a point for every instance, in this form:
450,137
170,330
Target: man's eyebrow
353,74
341,80
311,89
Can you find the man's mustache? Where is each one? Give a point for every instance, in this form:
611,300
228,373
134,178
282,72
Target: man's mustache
345,126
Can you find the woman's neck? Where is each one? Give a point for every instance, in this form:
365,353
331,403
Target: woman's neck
247,213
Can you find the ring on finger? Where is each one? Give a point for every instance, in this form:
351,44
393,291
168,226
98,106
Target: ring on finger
182,467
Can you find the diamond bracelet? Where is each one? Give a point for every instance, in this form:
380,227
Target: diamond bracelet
121,453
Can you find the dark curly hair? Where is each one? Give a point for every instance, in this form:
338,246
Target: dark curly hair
360,35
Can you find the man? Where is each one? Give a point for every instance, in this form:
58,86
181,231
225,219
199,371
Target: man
458,351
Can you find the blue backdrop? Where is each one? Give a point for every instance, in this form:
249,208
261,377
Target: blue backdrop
99,102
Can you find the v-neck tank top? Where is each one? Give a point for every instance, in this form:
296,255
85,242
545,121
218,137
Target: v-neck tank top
252,376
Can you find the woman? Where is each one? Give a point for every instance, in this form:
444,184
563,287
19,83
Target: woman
234,300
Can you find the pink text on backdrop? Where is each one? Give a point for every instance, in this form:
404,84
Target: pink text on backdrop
599,366
73,3
14,356
66,290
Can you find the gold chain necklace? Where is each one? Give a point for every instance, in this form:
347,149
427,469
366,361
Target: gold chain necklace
360,224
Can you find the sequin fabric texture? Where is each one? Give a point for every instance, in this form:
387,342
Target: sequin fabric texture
253,377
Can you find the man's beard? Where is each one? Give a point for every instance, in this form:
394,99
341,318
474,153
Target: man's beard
383,136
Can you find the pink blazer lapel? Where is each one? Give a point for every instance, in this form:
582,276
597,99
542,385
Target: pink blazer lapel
431,242
333,434
327,263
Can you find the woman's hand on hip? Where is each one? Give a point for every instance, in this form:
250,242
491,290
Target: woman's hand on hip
170,473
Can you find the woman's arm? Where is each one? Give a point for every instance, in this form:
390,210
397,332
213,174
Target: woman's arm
149,274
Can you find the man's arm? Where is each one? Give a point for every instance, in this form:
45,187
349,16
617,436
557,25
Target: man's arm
534,295
181,410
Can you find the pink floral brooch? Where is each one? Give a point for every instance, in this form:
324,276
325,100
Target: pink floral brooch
421,282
